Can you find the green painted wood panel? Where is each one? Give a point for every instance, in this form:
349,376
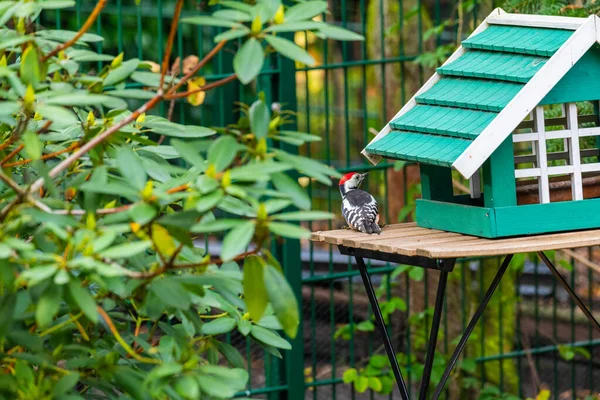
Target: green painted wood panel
581,83
470,220
424,148
546,218
519,39
475,94
497,66
449,121
436,182
499,186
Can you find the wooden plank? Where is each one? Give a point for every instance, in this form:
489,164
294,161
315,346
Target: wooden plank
544,218
436,183
374,159
525,101
394,236
499,186
541,154
499,247
395,245
574,153
457,218
537,21
322,236
498,66
581,83
518,39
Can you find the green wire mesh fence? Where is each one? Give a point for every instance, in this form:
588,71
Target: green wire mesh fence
531,339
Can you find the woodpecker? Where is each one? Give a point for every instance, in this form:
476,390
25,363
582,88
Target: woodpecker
359,208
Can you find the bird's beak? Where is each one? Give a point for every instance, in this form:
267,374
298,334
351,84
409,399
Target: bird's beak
363,176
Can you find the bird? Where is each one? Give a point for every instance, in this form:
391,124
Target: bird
359,208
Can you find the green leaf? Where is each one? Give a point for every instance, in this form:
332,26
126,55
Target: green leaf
138,94
305,137
416,274
84,300
289,230
33,145
58,115
171,293
303,216
236,241
231,34
350,375
378,361
260,117
151,79
306,10
255,293
290,49
48,305
248,61
295,26
337,33
131,167
187,387
56,4
30,69
221,382
65,384
375,383
257,171
244,326
232,15
285,184
283,300
81,99
361,384
65,36
122,72
209,201
189,154
210,21
162,126
126,250
217,225
222,152
7,308
268,337
218,326
231,354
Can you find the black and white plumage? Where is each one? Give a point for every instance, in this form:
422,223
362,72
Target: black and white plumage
359,208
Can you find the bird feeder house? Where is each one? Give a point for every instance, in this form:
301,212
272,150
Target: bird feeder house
515,111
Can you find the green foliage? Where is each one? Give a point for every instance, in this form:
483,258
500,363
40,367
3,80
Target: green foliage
103,289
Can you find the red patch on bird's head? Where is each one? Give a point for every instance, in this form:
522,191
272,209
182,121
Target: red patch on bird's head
347,177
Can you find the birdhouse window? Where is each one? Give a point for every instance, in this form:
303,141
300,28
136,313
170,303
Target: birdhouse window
556,152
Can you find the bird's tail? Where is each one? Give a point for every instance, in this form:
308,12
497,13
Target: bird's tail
370,228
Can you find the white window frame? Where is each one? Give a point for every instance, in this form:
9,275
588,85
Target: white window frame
540,156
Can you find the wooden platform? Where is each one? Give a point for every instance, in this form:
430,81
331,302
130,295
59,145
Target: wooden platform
410,240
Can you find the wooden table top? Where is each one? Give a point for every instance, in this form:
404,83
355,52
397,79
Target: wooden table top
410,240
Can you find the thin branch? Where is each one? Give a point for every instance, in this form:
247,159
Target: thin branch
170,41
86,26
102,211
122,342
57,327
11,154
44,157
164,268
22,193
204,88
96,140
584,260
198,66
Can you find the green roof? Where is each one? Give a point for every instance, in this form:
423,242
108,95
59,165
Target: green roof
472,90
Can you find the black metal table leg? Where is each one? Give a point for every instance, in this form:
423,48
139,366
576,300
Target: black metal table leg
471,326
569,290
382,330
433,334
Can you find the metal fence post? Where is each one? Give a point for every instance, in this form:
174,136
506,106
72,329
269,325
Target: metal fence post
285,90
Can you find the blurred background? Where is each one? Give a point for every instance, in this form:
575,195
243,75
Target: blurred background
532,341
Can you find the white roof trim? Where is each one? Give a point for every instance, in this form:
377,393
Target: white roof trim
374,158
537,21
529,97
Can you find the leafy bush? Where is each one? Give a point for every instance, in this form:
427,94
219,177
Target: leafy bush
104,291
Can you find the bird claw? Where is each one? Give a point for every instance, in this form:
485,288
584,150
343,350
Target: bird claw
346,227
